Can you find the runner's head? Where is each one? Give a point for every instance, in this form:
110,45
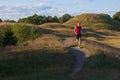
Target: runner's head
78,24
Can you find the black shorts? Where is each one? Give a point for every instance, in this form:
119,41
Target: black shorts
78,36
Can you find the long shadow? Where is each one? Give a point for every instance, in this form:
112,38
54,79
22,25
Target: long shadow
80,59
49,31
45,31
98,35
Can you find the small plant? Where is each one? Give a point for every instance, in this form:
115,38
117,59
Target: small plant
1,37
9,38
23,33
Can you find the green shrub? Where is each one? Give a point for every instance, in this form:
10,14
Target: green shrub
1,37
24,32
9,38
116,16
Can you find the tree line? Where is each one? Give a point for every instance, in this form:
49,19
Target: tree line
38,19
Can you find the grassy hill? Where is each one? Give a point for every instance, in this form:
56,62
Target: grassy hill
97,21
98,27
58,29
44,58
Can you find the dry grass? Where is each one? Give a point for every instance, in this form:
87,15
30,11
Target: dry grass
8,24
95,21
103,64
59,30
44,58
44,41
49,43
112,42
103,36
4,24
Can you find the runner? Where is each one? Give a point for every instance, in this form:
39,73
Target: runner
77,31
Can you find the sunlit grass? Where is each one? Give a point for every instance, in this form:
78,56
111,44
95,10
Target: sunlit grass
113,42
103,36
59,29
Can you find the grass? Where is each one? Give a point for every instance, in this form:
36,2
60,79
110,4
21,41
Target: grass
107,37
44,58
103,63
113,42
98,27
95,21
59,30
101,66
36,64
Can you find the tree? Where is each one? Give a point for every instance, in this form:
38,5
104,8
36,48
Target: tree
0,20
55,19
9,38
22,20
64,18
116,16
36,19
12,21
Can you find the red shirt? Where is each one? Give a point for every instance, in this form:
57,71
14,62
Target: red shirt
78,29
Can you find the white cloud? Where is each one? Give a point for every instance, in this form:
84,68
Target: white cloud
85,0
19,11
82,1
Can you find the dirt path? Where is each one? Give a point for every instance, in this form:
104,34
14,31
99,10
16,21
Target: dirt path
80,54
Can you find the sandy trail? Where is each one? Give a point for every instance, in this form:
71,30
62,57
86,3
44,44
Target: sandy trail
80,54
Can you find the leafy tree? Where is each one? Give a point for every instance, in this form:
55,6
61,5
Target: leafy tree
49,19
64,18
36,19
55,19
116,16
22,20
12,21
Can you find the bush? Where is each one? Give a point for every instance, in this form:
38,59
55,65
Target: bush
1,37
65,18
22,32
116,16
9,38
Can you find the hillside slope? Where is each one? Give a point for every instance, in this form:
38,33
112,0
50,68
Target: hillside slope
97,21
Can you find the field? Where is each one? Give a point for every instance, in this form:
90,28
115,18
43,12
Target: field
103,45
47,58
107,37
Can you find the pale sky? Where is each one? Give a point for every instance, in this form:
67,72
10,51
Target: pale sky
15,9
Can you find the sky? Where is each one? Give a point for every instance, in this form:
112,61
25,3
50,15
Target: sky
15,9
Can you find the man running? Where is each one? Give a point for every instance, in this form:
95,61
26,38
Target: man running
77,31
